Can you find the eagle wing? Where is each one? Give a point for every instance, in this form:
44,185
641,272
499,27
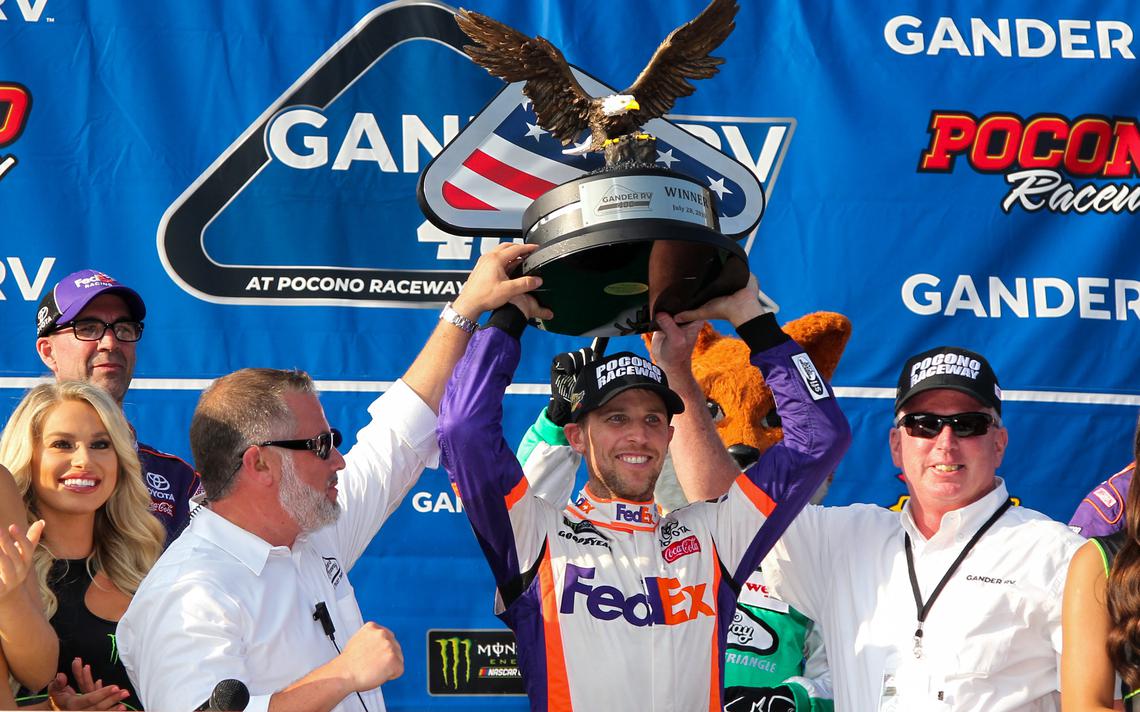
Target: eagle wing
560,102
682,56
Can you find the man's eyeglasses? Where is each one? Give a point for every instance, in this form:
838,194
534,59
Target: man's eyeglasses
94,329
322,444
963,425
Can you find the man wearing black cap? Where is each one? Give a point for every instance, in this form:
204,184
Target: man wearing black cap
614,605
88,326
953,603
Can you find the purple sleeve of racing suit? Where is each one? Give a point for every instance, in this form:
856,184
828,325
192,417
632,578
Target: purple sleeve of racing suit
479,462
816,436
1101,512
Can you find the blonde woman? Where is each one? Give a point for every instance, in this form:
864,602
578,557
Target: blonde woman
71,454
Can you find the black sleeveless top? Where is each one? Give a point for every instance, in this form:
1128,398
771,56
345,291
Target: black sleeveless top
1110,546
82,634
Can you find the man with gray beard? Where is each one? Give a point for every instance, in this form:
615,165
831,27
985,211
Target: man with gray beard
310,508
256,588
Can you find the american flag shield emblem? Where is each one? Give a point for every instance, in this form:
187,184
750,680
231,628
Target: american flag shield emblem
491,172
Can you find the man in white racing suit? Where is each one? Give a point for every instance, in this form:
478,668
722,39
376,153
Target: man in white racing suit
615,606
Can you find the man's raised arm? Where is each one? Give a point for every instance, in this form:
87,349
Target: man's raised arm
489,287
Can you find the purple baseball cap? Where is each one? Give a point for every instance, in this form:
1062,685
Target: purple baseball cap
74,292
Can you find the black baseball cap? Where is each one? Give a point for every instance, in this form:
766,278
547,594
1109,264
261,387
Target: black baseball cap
74,292
949,367
605,378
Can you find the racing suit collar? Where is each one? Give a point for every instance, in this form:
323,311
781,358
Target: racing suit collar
617,513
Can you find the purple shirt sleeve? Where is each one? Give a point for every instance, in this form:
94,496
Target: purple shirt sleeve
1101,512
480,463
816,436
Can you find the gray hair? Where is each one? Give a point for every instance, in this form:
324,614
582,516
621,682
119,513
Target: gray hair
236,411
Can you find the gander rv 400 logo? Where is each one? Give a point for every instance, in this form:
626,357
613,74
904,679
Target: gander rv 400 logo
1062,165
316,201
473,662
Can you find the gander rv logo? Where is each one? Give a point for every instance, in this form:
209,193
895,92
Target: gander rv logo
315,201
621,198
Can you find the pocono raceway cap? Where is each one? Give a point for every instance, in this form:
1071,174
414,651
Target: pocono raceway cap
949,367
74,292
601,380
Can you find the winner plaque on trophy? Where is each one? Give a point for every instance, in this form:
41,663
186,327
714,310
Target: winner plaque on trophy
632,238
620,245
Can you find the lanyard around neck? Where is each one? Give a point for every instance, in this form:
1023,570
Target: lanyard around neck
924,608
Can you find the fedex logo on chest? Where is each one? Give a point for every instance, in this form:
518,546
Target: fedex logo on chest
665,601
637,515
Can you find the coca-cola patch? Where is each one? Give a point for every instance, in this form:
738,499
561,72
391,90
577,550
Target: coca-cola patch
684,547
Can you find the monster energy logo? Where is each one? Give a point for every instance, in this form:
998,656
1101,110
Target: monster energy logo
449,650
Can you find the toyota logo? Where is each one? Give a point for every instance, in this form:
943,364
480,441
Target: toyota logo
157,482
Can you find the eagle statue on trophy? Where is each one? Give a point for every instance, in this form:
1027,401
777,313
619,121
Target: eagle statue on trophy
564,108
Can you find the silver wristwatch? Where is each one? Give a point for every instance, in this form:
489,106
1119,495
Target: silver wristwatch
453,317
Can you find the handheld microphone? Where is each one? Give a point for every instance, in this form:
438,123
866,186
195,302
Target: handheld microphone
229,695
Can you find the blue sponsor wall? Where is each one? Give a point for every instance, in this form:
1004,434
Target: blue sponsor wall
938,175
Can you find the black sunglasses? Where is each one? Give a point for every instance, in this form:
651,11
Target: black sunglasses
963,425
322,444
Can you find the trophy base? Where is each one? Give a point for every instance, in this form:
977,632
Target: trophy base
611,282
618,246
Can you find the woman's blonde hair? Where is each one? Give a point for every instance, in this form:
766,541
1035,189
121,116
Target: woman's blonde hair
127,537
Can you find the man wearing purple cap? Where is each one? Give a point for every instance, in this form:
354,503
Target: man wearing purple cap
954,603
88,326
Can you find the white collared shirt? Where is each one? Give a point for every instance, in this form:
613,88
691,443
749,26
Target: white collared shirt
992,639
222,603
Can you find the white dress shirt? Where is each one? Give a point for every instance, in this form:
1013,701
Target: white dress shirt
222,603
992,639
